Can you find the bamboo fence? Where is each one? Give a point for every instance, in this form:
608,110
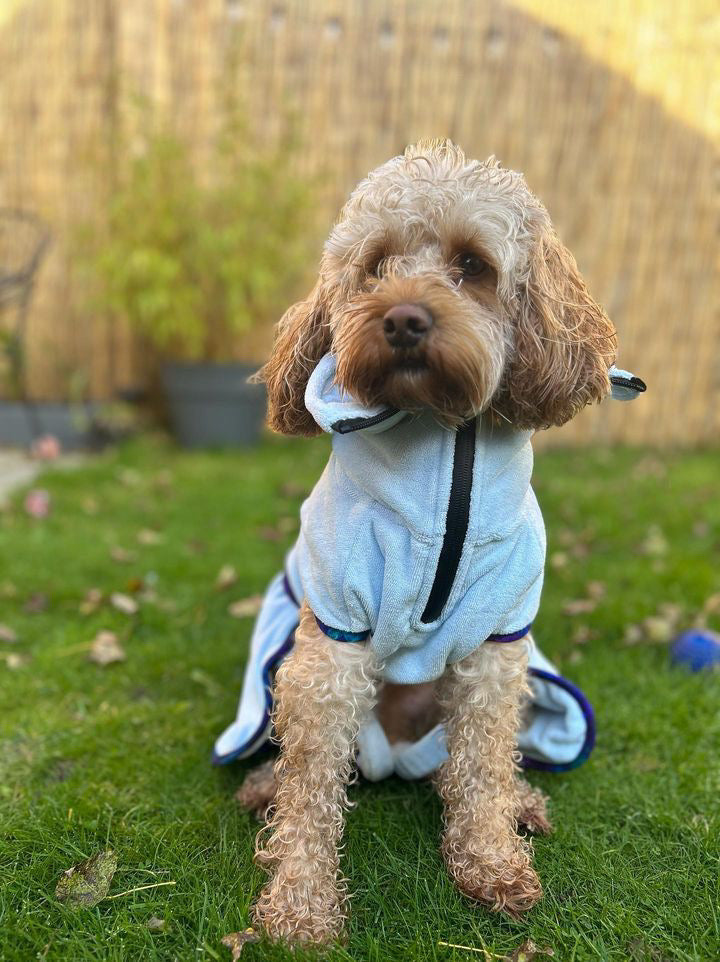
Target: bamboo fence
631,187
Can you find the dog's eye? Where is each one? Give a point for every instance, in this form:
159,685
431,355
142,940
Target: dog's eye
471,265
375,267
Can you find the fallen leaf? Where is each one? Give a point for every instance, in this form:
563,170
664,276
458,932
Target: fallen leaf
106,649
156,925
655,543
246,607
148,536
36,603
575,657
633,634
88,882
134,585
527,952
293,489
269,534
595,589
579,606
657,630
236,941
712,604
129,477
124,603
227,576
14,661
558,560
582,635
37,503
8,635
91,602
122,556
46,448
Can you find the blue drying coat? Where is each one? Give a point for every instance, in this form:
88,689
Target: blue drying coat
373,530
366,559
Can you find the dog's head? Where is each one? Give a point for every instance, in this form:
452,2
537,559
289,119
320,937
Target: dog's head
443,286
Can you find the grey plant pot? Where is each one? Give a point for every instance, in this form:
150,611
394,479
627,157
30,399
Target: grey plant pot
212,405
74,425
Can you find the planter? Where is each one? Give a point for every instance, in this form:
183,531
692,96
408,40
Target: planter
74,425
212,405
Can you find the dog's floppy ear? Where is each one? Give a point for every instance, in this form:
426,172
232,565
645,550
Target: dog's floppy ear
302,338
564,343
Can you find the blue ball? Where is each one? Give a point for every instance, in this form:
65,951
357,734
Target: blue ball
697,650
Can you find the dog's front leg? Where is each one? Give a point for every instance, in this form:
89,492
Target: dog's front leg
481,697
325,689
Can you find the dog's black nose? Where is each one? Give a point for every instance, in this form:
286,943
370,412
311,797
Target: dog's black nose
405,325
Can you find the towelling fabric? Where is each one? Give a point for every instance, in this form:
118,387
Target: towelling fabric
372,560
373,531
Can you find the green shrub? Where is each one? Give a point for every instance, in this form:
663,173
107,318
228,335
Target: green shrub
193,255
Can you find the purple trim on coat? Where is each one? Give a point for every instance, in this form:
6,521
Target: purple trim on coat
288,590
269,665
589,715
513,636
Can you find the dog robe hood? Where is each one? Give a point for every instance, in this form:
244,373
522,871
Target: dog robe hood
426,539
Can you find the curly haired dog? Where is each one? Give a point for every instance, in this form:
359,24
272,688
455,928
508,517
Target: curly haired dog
450,315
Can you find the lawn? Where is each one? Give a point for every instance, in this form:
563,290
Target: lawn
118,756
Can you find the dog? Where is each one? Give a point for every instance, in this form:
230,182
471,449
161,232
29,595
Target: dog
447,324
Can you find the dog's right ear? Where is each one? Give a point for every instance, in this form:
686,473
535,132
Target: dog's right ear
301,340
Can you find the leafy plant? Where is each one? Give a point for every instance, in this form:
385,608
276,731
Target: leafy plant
194,255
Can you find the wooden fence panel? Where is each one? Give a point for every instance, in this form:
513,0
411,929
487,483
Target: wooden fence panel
631,188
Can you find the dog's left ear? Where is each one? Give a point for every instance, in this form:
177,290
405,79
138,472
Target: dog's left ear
564,343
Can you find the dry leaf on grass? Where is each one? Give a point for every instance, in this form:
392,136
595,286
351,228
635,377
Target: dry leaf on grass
246,607
527,952
88,882
91,602
105,649
13,661
595,589
148,536
36,603
558,559
655,543
156,925
227,576
579,606
293,489
37,503
236,941
124,603
8,635
121,556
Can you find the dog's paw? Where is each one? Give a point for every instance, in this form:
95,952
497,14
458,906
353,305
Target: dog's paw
301,912
504,887
257,792
532,810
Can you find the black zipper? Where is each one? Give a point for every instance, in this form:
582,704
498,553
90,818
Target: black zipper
347,425
456,522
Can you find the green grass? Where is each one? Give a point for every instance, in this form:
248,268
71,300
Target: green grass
119,756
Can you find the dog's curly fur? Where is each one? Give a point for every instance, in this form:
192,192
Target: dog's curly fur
518,337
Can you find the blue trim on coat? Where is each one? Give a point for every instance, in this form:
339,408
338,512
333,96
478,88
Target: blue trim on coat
337,634
526,762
